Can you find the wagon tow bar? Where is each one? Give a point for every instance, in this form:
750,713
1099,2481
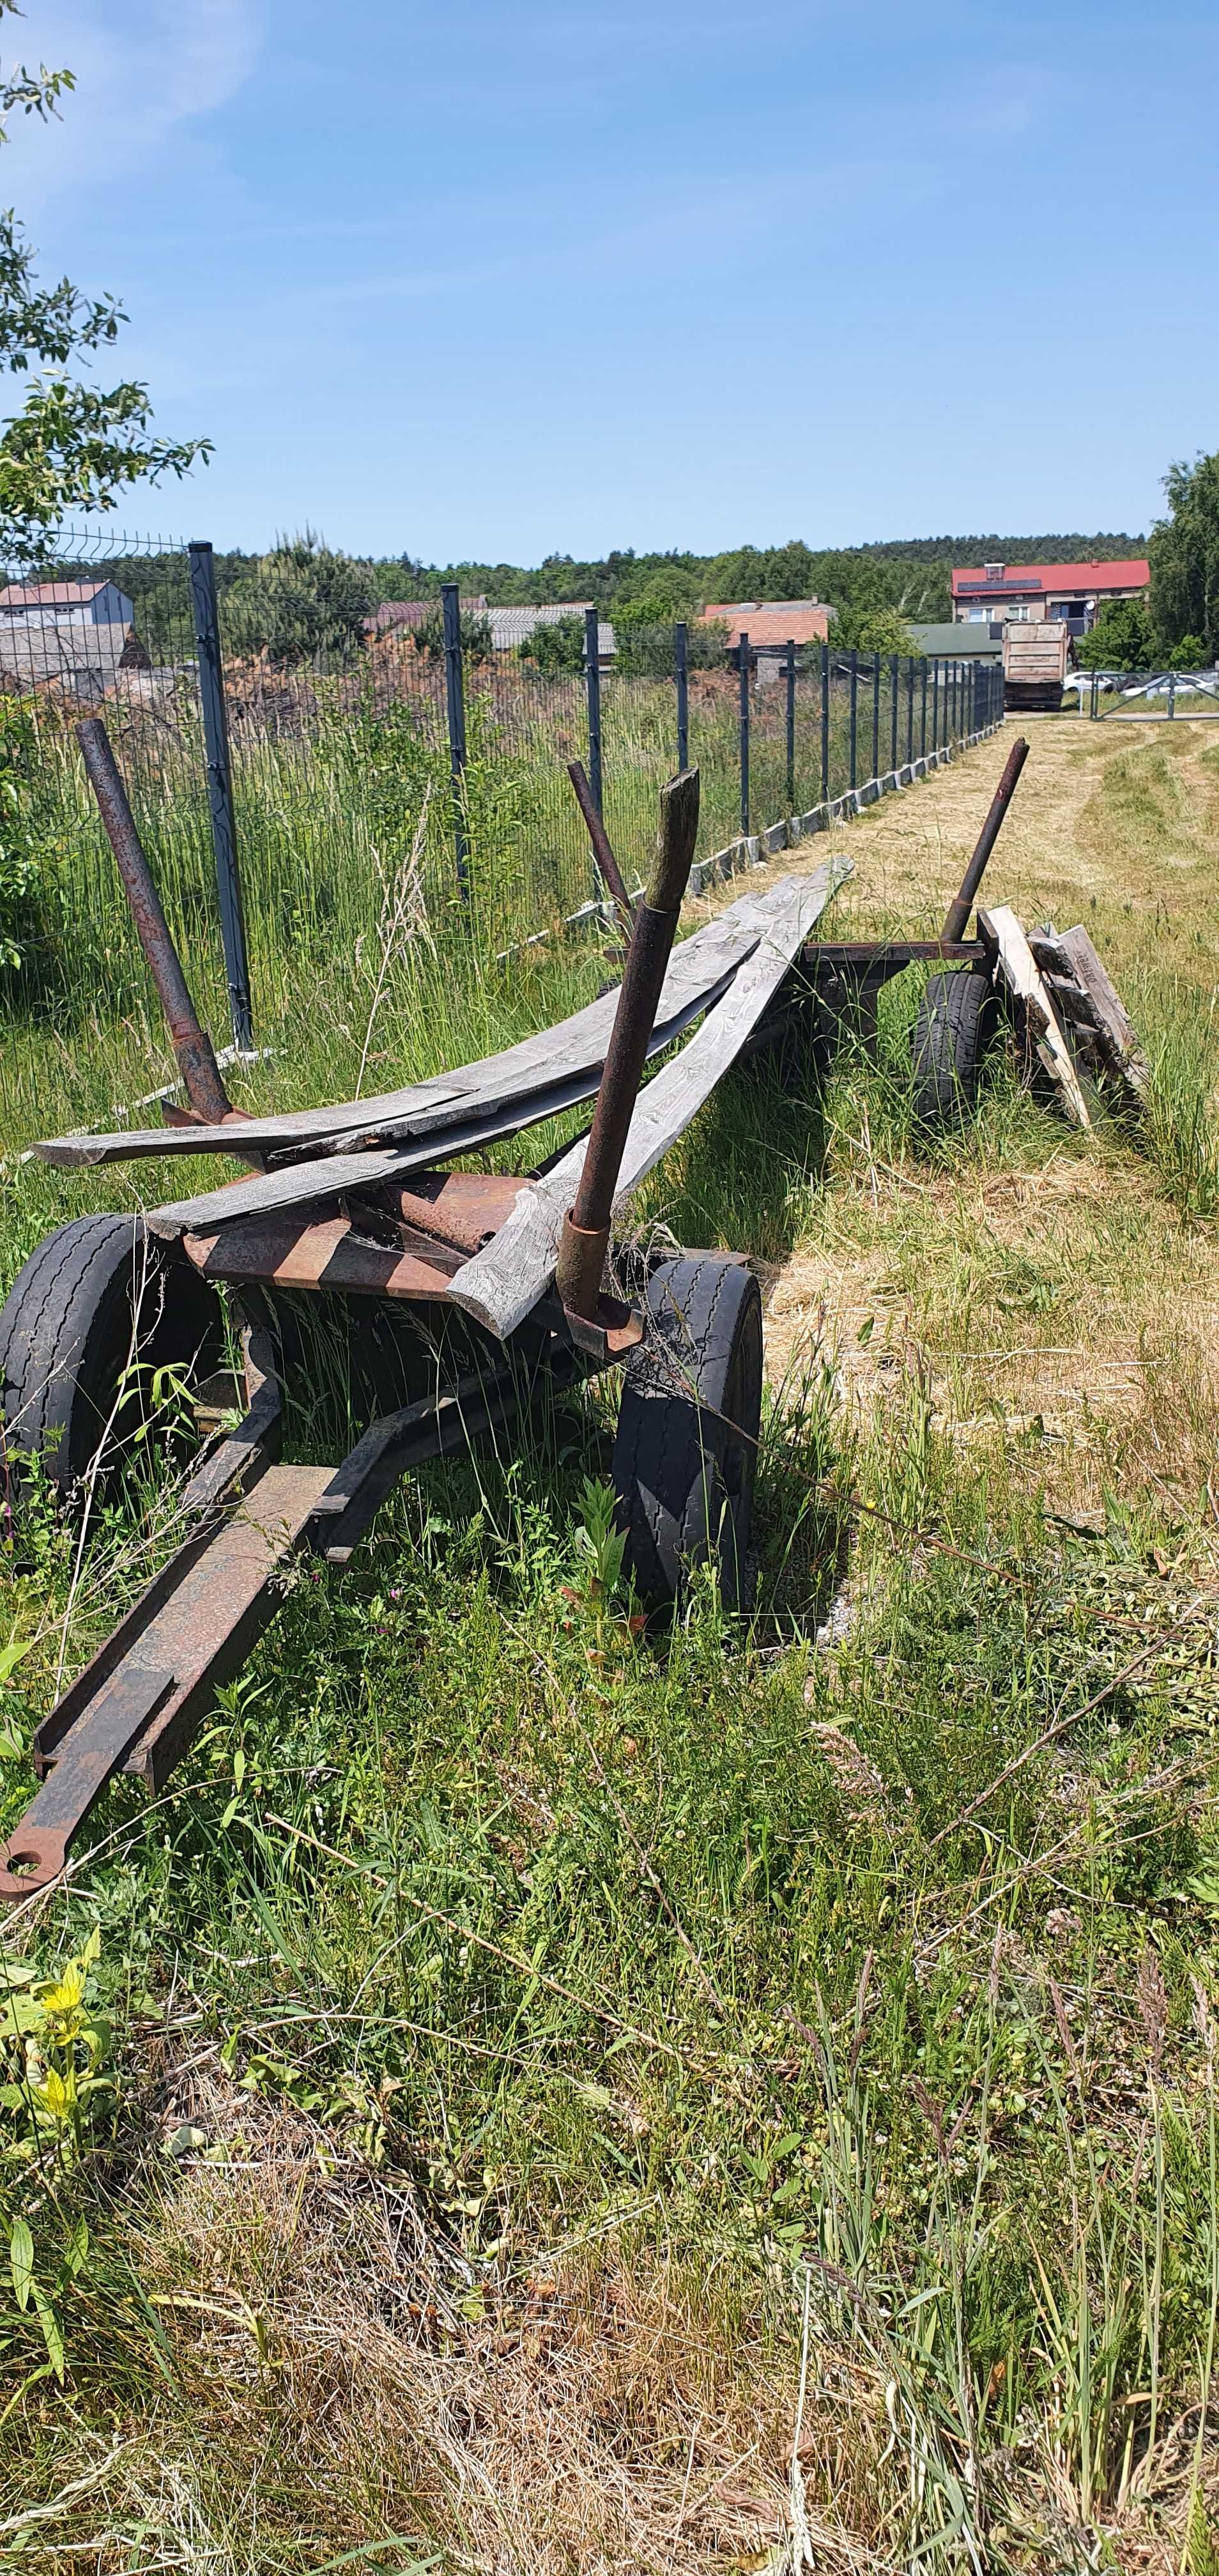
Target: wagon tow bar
137,1704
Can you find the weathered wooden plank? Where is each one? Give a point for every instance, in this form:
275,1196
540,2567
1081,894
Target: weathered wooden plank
503,1283
308,1184
1070,956
1018,967
698,969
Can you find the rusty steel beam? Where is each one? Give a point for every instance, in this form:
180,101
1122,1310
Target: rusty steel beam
611,873
191,1044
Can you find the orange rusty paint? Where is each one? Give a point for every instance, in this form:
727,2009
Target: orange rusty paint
327,1253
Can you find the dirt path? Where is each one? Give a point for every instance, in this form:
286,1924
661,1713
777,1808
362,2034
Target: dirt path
1043,1287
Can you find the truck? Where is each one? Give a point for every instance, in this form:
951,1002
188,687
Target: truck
1036,654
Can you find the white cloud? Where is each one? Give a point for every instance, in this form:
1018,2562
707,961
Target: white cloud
145,70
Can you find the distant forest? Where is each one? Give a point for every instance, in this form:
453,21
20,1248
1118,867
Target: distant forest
910,574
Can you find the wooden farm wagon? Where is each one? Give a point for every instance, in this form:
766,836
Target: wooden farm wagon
452,1293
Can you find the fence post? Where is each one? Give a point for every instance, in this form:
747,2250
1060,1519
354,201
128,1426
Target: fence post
791,726
1093,695
825,724
1172,693
456,707
923,734
893,662
909,709
875,715
854,715
744,732
220,789
681,674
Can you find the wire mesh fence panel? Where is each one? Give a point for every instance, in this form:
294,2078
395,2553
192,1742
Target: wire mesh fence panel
639,731
806,748
767,741
112,635
529,862
359,761
715,738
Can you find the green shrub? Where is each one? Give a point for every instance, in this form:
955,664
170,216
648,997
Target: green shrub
1121,639
302,600
428,637
555,647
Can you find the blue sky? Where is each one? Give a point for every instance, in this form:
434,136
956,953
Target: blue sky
489,279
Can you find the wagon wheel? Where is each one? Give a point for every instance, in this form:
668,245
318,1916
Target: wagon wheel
954,1031
685,1457
97,1295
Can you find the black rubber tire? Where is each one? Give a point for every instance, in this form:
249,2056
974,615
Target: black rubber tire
955,1028
685,1456
66,1339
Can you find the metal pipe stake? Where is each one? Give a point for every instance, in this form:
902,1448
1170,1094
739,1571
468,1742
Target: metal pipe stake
586,1228
962,903
191,1043
611,873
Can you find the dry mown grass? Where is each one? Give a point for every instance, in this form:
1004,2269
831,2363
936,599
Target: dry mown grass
1059,1300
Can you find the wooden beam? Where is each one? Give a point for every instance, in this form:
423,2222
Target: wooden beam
686,996
700,967
1018,968
1108,1037
504,1282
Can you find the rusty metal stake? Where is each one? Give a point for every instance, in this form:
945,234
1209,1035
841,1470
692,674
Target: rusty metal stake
611,873
962,903
191,1043
586,1227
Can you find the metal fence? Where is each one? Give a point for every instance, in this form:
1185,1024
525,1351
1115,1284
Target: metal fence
300,777
1148,696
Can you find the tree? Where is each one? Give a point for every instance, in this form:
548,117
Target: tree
873,629
556,646
428,636
70,446
302,600
1121,639
1184,553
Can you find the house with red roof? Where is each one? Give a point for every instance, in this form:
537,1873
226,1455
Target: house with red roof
772,623
1074,592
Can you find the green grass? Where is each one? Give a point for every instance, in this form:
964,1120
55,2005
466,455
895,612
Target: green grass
540,2051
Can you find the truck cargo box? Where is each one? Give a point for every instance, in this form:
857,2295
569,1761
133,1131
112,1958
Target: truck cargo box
1036,652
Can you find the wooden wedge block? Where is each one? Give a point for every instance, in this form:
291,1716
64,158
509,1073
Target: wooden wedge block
1088,1000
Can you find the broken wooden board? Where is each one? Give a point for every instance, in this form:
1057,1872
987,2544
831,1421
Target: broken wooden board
698,971
1092,1010
1018,969
310,1184
308,1181
504,1282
